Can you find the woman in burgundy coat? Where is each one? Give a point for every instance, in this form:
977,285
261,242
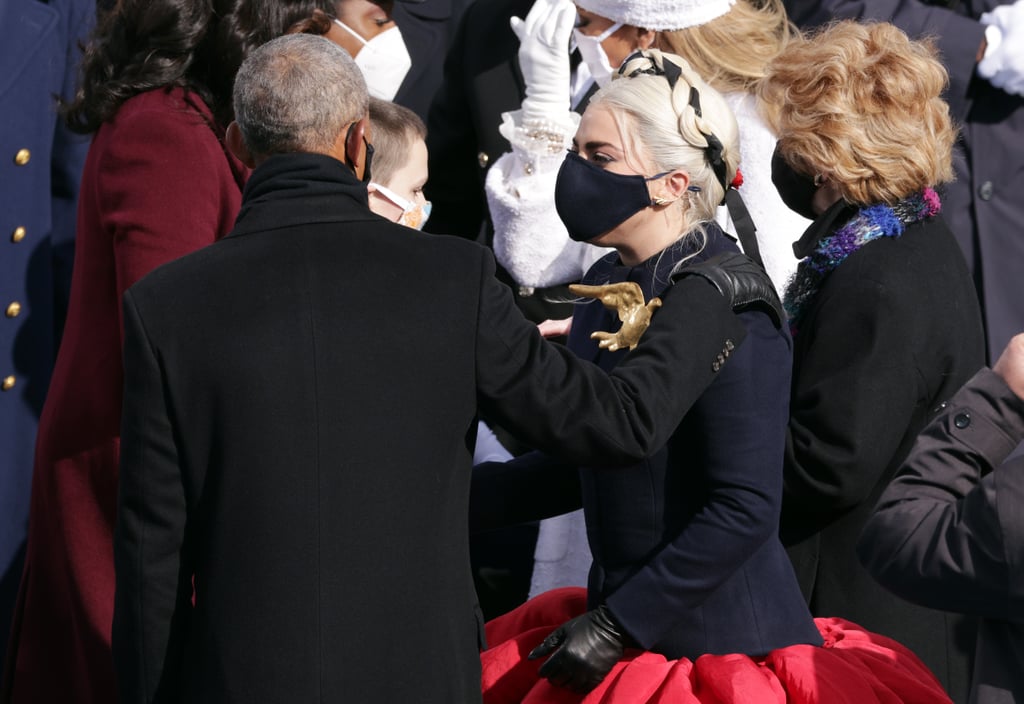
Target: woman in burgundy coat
158,183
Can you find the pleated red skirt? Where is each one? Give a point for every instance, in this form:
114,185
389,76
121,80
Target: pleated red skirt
853,667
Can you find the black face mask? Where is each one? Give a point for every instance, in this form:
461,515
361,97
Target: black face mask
796,190
367,161
592,201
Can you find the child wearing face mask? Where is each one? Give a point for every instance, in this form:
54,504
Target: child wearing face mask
400,172
399,164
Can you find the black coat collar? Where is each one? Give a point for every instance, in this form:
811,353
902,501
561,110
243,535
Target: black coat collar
838,214
301,189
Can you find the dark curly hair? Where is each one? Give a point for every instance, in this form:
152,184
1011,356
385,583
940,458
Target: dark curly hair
197,45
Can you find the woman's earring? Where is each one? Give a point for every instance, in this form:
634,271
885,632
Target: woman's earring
819,179
658,200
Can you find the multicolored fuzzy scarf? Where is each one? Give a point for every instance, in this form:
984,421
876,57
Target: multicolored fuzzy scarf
868,224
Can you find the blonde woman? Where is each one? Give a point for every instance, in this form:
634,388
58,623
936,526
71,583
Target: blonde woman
731,52
730,41
885,320
687,560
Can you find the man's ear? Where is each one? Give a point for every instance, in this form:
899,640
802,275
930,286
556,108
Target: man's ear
236,145
350,148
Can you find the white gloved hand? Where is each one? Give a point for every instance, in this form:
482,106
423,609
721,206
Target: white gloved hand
1003,63
544,58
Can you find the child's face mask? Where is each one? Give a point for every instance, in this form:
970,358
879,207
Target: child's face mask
413,215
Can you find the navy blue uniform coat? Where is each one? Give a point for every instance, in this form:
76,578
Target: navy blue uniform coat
38,194
685,543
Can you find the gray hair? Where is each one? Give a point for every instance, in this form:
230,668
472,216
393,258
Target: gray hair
296,93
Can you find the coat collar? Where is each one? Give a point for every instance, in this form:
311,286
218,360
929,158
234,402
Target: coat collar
830,220
301,189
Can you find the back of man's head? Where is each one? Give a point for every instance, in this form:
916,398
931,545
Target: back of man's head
297,93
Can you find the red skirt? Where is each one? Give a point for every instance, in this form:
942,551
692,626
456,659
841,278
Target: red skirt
853,667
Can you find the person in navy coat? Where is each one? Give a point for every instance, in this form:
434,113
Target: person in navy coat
40,169
686,554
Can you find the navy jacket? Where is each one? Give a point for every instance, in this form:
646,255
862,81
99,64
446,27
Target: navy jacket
685,544
40,169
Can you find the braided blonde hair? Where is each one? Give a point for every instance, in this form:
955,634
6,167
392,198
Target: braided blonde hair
660,126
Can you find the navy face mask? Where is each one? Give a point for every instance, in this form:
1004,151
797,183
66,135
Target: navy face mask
592,201
796,190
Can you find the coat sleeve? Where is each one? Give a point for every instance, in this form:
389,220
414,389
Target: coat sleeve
854,394
557,403
743,418
947,532
153,577
530,487
159,178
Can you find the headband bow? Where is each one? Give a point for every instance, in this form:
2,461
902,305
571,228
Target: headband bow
671,71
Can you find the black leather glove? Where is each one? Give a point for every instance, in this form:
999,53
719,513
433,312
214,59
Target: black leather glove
740,280
585,650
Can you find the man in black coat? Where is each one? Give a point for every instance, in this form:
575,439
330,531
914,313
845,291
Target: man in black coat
949,530
300,405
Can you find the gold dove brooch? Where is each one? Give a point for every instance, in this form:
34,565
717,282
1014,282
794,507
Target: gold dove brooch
627,300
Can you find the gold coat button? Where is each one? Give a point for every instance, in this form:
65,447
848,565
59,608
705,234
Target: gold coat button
483,159
8,383
22,156
13,309
18,235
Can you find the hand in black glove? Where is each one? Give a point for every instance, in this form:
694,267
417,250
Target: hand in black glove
740,280
585,650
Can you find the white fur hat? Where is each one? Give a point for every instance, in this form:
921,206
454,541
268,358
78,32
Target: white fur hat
659,15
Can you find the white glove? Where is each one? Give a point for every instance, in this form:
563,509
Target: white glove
1003,63
544,58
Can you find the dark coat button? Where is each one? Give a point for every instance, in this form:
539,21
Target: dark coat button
962,420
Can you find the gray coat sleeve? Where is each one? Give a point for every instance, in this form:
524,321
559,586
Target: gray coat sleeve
948,532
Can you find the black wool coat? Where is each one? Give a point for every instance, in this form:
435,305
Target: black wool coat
893,332
300,409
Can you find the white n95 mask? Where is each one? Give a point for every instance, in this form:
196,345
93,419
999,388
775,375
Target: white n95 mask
593,53
384,61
